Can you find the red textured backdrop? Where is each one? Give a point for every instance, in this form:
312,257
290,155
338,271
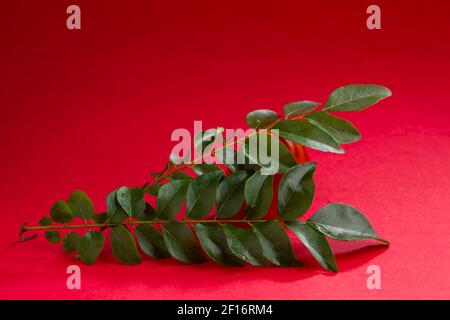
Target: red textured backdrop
94,109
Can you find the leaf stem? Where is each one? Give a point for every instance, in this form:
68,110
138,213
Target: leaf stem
100,225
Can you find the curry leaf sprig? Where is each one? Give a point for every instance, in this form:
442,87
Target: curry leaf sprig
239,230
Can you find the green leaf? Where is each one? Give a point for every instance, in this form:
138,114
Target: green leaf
356,97
45,221
296,191
115,212
260,119
277,247
212,238
180,176
123,245
342,222
131,200
81,205
258,195
149,213
284,161
203,168
170,199
151,241
245,244
309,135
341,130
154,189
250,168
316,243
201,194
230,194
181,244
90,246
70,242
53,236
61,212
235,159
100,218
300,107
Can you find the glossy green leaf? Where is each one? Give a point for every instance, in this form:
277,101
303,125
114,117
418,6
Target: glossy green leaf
61,212
343,222
250,168
296,191
356,97
151,241
203,168
53,236
236,160
115,212
81,205
45,221
170,199
258,195
201,194
213,240
123,245
341,130
149,213
316,243
100,218
180,176
180,243
230,194
154,189
90,246
299,107
131,200
245,245
277,247
260,119
284,161
70,242
309,135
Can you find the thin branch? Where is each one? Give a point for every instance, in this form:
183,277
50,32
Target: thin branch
101,225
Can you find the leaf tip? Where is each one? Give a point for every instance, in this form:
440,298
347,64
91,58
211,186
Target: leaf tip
334,269
388,92
332,266
384,241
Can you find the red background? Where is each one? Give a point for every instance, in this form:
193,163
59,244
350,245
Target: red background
94,109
